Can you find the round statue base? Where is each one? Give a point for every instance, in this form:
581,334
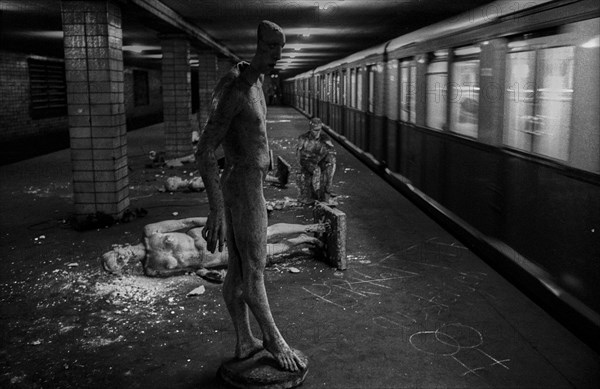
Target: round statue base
261,371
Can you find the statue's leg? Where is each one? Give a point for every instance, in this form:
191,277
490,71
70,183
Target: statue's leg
246,343
304,184
281,230
328,172
316,183
291,245
249,224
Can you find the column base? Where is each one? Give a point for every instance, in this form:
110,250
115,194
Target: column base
261,371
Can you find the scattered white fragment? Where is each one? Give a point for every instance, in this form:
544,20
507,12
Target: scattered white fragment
72,264
175,213
294,270
197,292
364,261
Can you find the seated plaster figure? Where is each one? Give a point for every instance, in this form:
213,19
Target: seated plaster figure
174,247
316,156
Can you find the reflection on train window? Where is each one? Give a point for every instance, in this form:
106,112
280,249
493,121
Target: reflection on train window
344,95
437,80
538,101
408,81
359,88
391,86
464,98
371,88
353,88
336,87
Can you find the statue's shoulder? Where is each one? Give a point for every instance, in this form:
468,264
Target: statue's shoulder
304,136
326,139
227,83
229,79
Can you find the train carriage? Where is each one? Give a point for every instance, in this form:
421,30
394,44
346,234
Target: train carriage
492,118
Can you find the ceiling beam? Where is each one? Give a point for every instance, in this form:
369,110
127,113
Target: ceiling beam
160,10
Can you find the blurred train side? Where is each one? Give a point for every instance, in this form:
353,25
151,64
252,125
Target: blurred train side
491,118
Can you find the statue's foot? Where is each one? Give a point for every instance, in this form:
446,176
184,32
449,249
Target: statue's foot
319,228
248,348
285,356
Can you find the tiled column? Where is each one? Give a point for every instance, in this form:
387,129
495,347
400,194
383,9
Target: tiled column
95,95
177,96
207,80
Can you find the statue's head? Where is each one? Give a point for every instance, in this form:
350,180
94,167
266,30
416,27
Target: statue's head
115,260
271,40
315,126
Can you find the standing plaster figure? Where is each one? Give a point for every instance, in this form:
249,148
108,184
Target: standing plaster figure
238,215
317,164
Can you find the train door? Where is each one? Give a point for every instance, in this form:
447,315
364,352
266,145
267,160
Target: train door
391,143
369,120
437,81
408,160
344,92
352,106
538,98
464,91
359,112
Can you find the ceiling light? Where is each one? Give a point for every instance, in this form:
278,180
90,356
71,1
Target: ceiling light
140,48
592,43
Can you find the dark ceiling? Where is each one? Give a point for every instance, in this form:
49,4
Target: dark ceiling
317,32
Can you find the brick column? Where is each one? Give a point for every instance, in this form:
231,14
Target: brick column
177,96
207,80
95,95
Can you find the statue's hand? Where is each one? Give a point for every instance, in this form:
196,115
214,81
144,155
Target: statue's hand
215,231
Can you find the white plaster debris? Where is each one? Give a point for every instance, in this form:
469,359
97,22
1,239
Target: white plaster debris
294,270
133,289
197,292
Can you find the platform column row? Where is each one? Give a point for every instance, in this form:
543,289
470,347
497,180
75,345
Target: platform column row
95,95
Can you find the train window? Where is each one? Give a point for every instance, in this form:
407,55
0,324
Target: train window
391,85
336,87
353,88
408,82
538,100
344,87
464,92
437,80
359,88
371,88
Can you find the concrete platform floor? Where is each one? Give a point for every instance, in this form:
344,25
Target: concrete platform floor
415,309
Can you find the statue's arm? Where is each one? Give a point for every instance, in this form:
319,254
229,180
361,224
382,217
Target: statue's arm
173,225
219,120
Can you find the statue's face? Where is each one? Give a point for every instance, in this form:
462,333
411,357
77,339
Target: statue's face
268,51
113,261
315,128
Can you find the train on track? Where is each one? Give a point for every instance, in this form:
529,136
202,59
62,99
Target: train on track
490,121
